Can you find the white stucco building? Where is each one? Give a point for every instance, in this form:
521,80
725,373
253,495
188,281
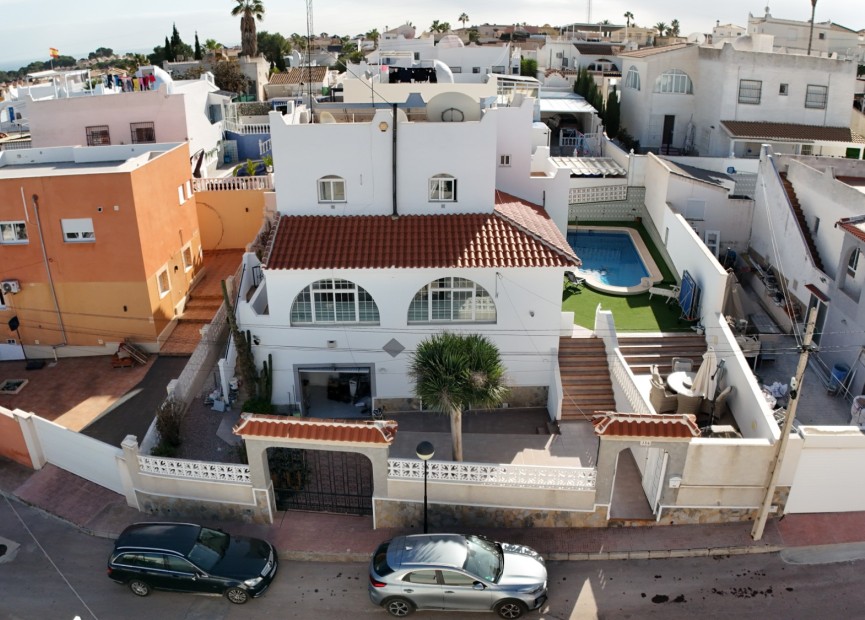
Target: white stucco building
718,101
373,253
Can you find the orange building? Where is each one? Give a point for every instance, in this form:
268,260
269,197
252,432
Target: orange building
97,245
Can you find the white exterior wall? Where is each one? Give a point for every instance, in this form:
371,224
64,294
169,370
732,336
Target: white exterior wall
528,307
829,474
63,122
367,165
201,133
361,91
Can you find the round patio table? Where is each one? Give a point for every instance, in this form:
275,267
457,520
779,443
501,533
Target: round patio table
681,382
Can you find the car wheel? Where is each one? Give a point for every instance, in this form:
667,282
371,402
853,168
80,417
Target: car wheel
238,596
511,609
399,607
139,588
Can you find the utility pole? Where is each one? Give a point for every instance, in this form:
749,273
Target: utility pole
781,446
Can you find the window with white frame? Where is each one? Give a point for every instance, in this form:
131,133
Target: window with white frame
334,301
783,89
13,232
632,80
504,160
452,300
181,198
188,189
164,283
500,69
750,91
79,230
187,258
476,69
443,188
816,96
674,81
806,149
331,189
853,263
456,69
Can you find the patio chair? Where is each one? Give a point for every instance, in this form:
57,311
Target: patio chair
573,278
662,400
720,405
688,404
682,364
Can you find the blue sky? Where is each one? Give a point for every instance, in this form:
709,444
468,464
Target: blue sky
75,27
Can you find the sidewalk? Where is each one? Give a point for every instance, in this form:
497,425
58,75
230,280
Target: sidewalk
326,537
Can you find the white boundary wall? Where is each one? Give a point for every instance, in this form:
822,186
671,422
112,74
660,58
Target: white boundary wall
79,454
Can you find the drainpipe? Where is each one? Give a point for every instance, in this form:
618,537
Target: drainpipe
394,215
48,269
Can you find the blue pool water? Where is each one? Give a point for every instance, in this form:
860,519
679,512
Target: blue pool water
609,257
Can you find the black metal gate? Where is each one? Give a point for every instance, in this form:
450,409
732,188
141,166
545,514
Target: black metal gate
321,480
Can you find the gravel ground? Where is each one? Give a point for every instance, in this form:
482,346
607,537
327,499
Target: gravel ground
199,428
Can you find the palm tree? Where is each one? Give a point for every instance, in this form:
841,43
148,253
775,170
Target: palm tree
463,18
453,372
661,27
674,28
445,27
249,10
811,32
435,26
373,35
628,17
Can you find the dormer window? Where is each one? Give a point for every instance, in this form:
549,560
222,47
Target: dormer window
674,81
443,188
331,189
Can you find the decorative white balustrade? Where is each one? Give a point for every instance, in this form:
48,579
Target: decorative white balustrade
247,129
624,378
218,184
17,144
598,193
195,470
488,474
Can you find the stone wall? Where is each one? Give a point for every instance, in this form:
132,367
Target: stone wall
401,514
707,515
200,510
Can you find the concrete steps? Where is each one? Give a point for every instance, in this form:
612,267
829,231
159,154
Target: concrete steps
641,352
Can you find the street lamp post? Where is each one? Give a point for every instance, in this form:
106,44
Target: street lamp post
425,451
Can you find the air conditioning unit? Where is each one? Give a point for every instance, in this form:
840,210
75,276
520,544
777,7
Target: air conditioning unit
10,286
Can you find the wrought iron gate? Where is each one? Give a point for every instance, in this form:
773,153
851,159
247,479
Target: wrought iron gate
321,481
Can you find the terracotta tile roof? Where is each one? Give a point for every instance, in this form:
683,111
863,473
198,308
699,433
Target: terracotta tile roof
789,131
664,425
596,49
857,229
283,427
651,51
516,234
296,75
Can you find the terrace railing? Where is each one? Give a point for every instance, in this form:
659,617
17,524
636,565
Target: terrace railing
222,184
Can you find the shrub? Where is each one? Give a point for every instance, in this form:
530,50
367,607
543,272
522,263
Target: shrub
163,449
257,405
169,417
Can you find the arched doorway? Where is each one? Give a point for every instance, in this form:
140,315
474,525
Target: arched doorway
321,480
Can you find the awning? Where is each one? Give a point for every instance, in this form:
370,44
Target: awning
561,105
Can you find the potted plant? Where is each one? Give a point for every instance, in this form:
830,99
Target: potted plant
250,168
268,162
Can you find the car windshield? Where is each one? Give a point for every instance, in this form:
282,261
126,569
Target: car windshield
209,548
485,558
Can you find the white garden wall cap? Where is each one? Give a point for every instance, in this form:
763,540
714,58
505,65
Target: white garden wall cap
646,425
253,425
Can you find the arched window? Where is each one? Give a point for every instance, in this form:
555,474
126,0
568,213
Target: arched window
443,188
452,300
674,81
331,189
632,80
334,301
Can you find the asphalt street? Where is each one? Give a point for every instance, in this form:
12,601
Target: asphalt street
49,569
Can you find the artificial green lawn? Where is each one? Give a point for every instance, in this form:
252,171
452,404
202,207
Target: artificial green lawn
634,313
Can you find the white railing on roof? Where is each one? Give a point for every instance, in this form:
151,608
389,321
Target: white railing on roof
489,474
198,470
232,183
244,128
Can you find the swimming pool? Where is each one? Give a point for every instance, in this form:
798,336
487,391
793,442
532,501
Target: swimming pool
615,260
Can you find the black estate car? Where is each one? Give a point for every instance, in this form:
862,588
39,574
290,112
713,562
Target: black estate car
191,558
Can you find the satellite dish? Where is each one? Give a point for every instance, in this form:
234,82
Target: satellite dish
326,117
453,107
697,37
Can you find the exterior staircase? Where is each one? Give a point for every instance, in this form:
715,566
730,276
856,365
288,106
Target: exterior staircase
640,352
800,218
198,312
586,382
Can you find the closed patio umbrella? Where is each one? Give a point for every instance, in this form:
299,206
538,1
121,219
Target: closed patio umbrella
705,381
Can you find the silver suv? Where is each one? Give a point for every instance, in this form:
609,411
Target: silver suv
456,573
